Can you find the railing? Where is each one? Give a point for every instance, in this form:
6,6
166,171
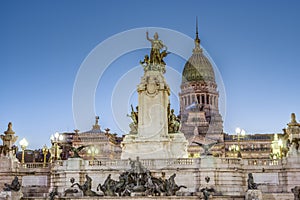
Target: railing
235,161
59,162
263,162
34,165
146,163
41,165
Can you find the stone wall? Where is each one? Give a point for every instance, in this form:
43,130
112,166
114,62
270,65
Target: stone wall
228,176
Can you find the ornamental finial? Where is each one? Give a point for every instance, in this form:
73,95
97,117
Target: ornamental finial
197,40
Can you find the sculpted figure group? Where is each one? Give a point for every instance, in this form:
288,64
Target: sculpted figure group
173,121
139,180
135,180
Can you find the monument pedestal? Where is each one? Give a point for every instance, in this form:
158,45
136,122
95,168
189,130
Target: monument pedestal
253,195
174,146
11,195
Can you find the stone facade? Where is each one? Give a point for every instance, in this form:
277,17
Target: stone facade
257,146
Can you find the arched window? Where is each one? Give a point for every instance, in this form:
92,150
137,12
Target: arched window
198,98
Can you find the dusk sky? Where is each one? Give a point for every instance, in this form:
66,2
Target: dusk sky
254,44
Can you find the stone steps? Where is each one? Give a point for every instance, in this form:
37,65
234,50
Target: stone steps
270,196
142,198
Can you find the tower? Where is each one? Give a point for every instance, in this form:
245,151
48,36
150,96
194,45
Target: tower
155,129
199,111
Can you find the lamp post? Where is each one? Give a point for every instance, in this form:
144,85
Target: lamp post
93,151
280,144
277,145
55,139
240,134
233,148
45,151
23,143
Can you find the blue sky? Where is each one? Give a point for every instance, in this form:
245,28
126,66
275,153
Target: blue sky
255,45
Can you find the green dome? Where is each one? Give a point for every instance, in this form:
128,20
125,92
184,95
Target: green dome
198,68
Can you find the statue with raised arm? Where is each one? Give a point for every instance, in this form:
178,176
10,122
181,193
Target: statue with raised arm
157,45
134,116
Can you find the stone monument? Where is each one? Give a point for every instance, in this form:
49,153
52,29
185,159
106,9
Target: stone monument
293,132
253,193
155,129
9,138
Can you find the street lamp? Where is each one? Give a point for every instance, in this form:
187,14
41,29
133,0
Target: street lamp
240,134
23,143
92,151
55,139
280,144
45,151
277,145
234,148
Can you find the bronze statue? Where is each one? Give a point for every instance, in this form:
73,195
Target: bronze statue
134,116
14,186
206,147
76,151
293,118
9,127
139,179
206,191
86,188
145,61
251,184
97,120
174,122
156,45
53,193
296,191
109,186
